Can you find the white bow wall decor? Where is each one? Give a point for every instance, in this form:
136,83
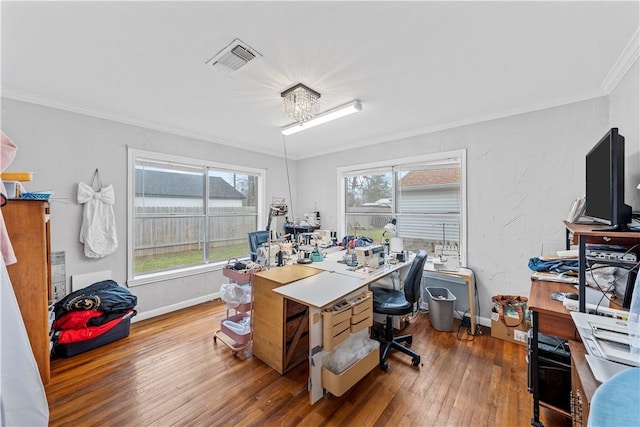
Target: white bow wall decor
98,230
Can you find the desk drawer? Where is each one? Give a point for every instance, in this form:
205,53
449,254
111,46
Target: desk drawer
363,315
332,335
333,316
338,384
362,324
361,303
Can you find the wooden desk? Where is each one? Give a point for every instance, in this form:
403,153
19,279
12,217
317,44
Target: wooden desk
553,318
288,302
280,331
318,292
550,317
583,384
582,235
574,231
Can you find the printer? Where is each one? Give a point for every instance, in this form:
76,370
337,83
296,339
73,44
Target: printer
606,340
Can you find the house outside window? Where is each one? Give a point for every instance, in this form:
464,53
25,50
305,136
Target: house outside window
186,214
426,195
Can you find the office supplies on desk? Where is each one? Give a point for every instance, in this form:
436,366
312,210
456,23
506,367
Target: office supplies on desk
554,277
574,305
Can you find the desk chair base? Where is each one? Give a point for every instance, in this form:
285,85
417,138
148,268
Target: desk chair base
388,342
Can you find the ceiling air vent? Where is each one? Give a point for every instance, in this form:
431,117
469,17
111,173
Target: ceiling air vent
236,55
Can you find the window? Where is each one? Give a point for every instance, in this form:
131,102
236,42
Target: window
426,195
186,214
368,203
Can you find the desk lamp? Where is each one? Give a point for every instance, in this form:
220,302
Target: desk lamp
394,243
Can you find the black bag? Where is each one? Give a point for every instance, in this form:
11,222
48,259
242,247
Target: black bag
106,296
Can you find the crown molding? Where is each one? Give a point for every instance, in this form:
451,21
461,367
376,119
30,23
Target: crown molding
62,105
18,95
530,108
627,58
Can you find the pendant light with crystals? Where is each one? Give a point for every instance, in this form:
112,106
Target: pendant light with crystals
300,103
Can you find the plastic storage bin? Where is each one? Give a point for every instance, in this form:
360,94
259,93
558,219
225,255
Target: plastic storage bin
441,302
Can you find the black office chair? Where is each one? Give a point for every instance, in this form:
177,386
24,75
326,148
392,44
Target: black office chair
256,239
394,302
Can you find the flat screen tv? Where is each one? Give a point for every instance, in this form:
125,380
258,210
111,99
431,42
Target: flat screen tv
605,182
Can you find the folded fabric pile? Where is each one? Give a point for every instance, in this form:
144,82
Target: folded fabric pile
556,266
89,315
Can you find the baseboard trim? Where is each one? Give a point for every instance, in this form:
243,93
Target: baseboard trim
173,307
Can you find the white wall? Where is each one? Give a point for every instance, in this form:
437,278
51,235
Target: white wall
523,172
624,114
63,148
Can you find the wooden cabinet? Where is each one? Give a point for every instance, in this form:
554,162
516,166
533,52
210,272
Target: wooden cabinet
280,325
28,227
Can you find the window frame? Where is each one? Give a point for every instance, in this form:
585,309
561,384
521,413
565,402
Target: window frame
390,165
134,155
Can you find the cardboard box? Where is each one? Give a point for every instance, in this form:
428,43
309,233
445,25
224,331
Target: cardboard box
517,335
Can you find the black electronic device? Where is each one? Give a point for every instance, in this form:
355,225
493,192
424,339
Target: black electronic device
554,371
605,182
571,296
628,293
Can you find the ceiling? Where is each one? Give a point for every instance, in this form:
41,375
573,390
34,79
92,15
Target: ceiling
416,67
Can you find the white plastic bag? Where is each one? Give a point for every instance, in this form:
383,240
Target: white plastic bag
355,348
233,294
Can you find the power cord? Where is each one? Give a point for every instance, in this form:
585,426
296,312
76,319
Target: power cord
462,327
612,285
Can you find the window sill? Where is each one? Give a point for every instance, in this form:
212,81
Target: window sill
163,276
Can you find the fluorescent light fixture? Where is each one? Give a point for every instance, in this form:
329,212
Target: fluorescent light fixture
327,116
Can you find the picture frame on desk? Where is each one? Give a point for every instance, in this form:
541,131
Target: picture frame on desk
577,210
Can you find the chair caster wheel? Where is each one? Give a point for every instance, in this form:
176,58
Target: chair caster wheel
384,366
409,341
416,361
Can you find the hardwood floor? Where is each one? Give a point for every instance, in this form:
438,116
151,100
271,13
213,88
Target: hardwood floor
170,372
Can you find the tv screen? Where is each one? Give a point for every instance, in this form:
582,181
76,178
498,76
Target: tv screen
605,182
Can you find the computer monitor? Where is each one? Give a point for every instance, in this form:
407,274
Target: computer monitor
605,182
